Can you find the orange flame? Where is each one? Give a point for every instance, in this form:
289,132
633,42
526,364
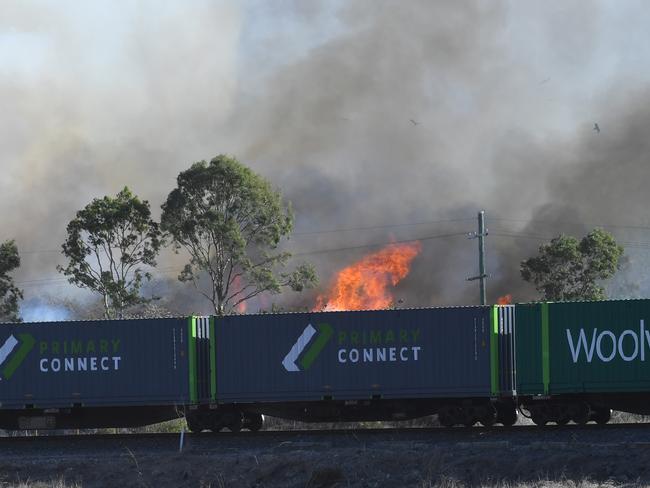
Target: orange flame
505,300
364,284
237,284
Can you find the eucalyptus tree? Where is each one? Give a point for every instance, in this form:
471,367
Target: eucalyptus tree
109,246
570,269
231,222
10,294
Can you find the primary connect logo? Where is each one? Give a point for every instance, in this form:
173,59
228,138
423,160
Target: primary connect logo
295,360
13,352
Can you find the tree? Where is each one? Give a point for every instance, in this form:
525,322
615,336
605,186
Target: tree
9,293
231,221
568,269
107,243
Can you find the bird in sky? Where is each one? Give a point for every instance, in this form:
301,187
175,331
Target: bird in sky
413,122
596,128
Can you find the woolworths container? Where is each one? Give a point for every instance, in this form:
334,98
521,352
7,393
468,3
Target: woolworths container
96,363
576,347
412,353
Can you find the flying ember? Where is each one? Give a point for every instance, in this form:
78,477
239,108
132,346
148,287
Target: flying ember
365,284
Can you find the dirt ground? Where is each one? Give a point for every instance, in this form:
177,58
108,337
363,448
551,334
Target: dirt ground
390,465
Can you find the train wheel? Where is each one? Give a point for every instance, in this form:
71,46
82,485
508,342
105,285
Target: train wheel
469,422
539,419
445,420
602,415
194,424
507,415
581,414
563,420
489,419
561,414
236,424
446,416
253,422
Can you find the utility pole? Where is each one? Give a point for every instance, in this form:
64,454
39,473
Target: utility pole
480,235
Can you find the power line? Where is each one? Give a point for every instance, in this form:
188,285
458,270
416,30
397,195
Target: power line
377,244
520,236
170,270
316,232
581,224
634,245
387,226
45,281
411,224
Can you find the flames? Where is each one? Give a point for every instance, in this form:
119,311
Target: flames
365,284
505,300
237,285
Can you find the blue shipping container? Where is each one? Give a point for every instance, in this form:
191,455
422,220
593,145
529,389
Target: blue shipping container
97,363
411,353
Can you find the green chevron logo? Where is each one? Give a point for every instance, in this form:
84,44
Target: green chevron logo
307,348
13,352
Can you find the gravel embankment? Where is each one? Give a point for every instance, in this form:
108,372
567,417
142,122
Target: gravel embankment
617,455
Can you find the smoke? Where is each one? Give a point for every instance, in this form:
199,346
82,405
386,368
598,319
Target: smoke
95,98
37,310
435,110
364,113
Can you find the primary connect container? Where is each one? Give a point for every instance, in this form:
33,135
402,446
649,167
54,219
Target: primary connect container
409,353
94,364
583,347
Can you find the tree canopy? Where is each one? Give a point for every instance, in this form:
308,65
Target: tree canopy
9,293
231,221
107,244
568,269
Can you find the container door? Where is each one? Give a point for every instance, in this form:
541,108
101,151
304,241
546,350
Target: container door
505,329
202,345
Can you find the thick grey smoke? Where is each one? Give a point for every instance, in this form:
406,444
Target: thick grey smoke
370,113
422,111
93,99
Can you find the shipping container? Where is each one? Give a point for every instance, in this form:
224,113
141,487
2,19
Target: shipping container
387,354
94,364
583,347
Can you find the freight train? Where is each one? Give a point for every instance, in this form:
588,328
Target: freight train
555,362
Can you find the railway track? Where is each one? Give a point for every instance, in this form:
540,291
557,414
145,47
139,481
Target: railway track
516,437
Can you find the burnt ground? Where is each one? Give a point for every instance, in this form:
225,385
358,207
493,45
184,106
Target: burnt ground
571,456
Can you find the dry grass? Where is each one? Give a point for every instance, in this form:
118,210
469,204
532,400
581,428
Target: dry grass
58,483
628,418
449,482
335,478
274,423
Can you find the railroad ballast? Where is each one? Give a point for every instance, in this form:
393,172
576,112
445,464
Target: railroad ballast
556,362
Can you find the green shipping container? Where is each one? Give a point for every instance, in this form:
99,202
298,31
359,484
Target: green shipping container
576,347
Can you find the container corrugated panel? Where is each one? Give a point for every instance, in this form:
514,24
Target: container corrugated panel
97,363
412,353
528,349
592,347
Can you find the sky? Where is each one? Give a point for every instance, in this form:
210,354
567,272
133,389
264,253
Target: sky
365,113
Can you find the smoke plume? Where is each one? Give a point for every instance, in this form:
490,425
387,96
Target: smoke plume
365,114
